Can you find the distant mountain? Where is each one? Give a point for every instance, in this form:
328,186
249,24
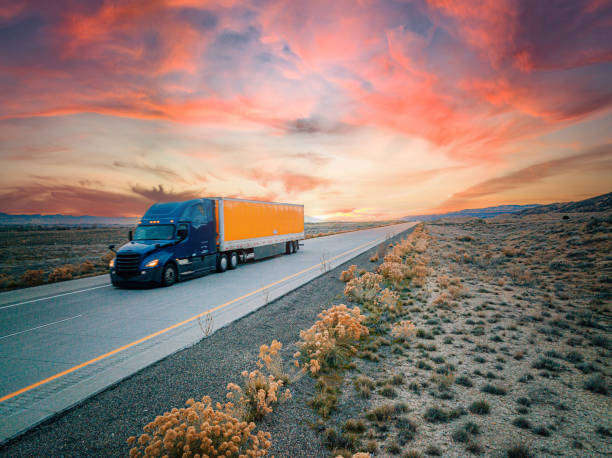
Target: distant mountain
487,212
69,220
64,220
594,204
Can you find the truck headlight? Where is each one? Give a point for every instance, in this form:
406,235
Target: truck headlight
152,263
111,263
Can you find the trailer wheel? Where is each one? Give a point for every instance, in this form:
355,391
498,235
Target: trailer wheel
288,248
222,263
233,260
296,246
169,275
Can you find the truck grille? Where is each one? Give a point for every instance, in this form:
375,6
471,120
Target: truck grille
127,263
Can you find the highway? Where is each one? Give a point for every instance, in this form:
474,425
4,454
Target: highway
64,342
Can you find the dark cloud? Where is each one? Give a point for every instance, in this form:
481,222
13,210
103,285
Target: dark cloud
236,40
570,34
198,18
159,194
157,170
598,158
316,125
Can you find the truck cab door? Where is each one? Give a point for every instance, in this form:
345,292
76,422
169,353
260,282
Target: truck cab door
199,242
184,250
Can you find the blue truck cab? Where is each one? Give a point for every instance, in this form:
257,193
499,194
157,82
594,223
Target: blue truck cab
173,240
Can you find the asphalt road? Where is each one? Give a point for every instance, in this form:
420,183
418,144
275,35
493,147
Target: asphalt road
62,343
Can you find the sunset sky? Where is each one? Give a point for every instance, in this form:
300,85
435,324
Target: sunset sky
358,109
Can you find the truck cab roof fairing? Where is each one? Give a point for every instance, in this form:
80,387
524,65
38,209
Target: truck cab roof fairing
164,212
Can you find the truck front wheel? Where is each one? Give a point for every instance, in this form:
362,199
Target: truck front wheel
222,263
233,260
169,275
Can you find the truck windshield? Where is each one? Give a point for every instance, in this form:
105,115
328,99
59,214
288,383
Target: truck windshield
157,232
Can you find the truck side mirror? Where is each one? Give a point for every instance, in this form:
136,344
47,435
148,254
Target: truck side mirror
181,234
111,247
130,235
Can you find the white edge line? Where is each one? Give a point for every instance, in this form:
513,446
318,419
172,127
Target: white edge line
53,297
41,326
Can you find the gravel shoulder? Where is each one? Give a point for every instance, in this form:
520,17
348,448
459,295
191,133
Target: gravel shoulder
101,424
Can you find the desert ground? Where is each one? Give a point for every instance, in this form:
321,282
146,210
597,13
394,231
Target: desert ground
459,338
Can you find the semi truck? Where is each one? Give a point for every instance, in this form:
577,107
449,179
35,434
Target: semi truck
178,240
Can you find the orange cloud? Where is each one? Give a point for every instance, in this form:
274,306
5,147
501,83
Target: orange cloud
598,158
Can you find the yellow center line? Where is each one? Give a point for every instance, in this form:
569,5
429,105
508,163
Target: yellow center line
174,326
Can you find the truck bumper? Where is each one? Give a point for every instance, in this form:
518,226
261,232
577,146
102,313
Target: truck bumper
142,277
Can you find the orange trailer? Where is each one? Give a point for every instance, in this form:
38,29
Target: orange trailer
249,225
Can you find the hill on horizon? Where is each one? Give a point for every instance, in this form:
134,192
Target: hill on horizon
593,204
487,212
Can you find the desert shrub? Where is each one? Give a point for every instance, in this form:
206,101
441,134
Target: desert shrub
6,281
270,359
200,429
444,300
374,258
363,386
464,381
106,258
541,431
348,274
61,273
388,301
518,451
597,384
457,291
364,288
354,426
511,252
86,267
388,391
492,389
331,339
481,407
574,357
386,412
393,272
340,443
602,341
32,277
521,276
438,415
257,395
559,264
548,364
403,330
521,422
